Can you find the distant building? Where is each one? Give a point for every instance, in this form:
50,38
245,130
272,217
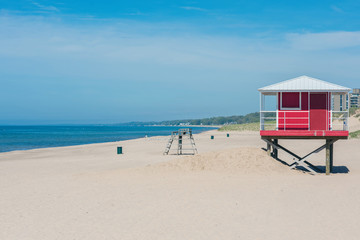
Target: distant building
339,102
355,98
356,90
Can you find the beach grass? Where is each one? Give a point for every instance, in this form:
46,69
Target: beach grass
240,127
355,134
353,111
269,125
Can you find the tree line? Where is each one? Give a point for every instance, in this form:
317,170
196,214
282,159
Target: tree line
248,118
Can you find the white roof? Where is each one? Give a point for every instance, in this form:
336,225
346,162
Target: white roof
304,83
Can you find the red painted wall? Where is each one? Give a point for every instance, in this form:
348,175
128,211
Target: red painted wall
293,119
300,119
304,101
290,100
318,111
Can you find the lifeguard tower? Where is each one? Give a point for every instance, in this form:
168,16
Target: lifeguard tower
179,136
304,109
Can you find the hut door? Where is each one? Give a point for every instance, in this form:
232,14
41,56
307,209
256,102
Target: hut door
318,111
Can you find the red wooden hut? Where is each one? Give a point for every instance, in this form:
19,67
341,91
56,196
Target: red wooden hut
304,109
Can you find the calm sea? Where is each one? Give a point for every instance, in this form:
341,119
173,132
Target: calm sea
31,137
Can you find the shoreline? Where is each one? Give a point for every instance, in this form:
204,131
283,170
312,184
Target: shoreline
94,144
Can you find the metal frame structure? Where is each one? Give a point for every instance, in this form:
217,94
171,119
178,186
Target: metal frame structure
273,147
179,136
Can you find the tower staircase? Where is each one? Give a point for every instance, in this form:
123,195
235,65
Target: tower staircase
182,148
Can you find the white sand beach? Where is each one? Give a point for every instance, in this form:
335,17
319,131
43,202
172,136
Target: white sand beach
77,72
230,190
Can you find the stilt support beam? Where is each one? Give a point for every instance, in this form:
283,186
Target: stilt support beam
275,150
300,161
329,156
268,149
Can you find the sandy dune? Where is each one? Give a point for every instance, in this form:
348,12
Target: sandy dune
231,190
354,123
245,160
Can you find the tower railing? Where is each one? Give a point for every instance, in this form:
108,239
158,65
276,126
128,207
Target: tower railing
285,120
339,121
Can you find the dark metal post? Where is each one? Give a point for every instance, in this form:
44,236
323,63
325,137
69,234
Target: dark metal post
180,144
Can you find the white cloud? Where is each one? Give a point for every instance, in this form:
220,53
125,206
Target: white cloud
97,62
194,8
116,48
336,9
45,8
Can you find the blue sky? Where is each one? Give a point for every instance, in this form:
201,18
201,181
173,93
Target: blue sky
118,61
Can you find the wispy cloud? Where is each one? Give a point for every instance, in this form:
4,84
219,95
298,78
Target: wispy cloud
135,13
337,9
48,8
92,63
194,8
159,44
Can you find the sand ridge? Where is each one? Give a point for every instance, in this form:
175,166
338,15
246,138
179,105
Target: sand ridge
354,123
243,160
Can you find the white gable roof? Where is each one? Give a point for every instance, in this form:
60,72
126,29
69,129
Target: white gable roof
304,83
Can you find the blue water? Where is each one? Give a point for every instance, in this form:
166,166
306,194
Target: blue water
31,137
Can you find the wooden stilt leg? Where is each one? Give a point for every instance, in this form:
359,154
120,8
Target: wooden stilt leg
331,157
275,151
328,157
301,161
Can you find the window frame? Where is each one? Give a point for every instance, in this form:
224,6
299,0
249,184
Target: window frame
290,108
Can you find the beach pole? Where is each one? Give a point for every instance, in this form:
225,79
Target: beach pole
328,146
180,143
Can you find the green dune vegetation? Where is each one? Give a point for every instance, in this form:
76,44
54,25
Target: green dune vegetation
248,122
213,121
241,127
355,134
255,126
356,113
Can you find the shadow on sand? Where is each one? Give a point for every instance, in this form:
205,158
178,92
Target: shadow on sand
335,170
